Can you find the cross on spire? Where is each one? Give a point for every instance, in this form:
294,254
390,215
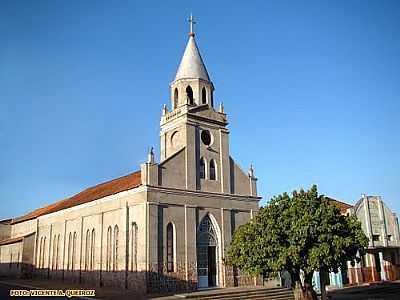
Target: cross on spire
191,23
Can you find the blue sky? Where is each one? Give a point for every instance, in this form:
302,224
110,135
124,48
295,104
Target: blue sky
311,89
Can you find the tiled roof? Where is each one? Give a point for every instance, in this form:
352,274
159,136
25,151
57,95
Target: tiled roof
99,191
341,205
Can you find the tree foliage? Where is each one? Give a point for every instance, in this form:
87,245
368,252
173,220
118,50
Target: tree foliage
302,231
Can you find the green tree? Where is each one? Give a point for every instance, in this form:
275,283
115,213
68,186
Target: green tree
304,232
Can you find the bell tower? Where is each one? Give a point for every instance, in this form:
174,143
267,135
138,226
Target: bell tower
194,138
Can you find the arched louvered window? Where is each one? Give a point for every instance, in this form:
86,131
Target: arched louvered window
115,260
92,247
170,248
213,170
203,96
73,252
175,98
108,258
189,95
202,168
87,249
134,230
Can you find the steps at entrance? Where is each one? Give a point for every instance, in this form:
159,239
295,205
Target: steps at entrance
250,293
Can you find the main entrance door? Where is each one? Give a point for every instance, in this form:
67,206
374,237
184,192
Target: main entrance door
207,254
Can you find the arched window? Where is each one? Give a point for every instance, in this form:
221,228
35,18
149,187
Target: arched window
53,260
175,98
170,248
202,168
44,251
39,257
57,250
213,172
108,258
203,96
115,264
92,251
134,247
69,251
87,247
189,95
73,252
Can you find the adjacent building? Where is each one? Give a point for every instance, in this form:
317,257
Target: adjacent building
382,259
381,226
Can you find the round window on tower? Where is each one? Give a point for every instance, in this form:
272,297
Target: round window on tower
206,137
175,137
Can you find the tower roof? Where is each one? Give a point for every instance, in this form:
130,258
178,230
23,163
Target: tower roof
192,65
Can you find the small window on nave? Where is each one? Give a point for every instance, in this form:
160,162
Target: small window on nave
92,246
74,241
134,232
87,250
115,260
108,249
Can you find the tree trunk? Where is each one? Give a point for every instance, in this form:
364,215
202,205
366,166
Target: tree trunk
305,291
323,280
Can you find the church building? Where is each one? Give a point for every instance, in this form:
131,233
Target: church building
162,228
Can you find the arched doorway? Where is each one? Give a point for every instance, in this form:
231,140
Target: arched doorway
207,253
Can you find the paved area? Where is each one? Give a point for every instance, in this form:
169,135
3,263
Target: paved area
101,292
6,287
385,291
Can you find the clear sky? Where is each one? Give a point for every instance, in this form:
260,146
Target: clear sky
311,89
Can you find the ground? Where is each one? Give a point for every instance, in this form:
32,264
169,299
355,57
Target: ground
386,291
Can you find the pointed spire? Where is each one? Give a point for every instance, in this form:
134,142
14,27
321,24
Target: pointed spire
192,65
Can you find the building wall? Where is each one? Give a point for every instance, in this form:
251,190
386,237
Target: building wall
23,228
5,231
48,250
185,210
10,259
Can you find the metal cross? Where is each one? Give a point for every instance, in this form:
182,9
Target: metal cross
191,22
